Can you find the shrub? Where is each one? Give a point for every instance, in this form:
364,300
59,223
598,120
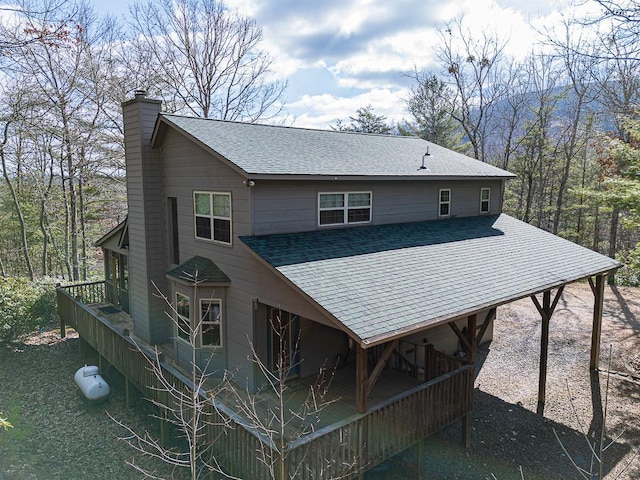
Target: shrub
25,306
629,274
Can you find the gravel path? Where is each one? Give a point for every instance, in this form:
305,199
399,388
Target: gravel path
58,435
509,435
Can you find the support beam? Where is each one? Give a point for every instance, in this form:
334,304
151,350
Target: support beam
596,331
491,315
546,311
361,379
373,378
471,359
164,427
544,354
461,336
129,391
471,339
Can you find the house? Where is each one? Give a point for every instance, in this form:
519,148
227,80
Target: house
381,253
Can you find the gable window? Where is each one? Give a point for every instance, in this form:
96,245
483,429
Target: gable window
445,202
344,208
183,316
212,213
210,313
485,200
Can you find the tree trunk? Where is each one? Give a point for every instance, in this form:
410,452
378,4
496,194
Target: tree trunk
16,204
613,233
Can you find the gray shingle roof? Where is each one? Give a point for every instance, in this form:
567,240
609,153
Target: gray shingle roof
273,150
200,268
381,281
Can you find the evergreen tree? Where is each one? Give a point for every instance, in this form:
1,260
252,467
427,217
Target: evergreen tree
365,122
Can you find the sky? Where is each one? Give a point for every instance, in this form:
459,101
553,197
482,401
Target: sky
340,55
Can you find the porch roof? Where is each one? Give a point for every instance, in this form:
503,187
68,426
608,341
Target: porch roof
199,270
386,281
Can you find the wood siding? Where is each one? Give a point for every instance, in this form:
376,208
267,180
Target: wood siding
270,207
292,206
188,168
146,220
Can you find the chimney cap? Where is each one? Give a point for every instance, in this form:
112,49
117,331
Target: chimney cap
140,92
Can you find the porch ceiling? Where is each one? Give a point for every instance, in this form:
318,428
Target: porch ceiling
384,281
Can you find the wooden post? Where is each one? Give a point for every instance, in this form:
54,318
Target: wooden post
361,379
420,453
544,351
128,393
164,427
471,338
63,327
546,311
471,359
363,460
596,331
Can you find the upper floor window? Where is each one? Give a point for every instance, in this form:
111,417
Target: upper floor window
183,316
213,216
344,208
485,200
445,202
210,313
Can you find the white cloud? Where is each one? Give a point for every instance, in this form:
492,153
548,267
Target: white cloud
346,54
321,111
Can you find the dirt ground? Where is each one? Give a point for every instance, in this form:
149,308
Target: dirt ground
507,433
58,436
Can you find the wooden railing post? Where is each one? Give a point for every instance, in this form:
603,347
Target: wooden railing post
596,331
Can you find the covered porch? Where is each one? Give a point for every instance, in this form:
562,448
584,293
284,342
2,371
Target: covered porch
369,415
340,439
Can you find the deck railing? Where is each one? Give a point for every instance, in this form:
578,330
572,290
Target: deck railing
344,449
87,293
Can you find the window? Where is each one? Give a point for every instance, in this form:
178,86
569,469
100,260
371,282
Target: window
213,216
445,202
210,313
173,229
485,200
183,316
343,208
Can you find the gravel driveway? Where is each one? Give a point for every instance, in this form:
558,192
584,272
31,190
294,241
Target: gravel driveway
57,435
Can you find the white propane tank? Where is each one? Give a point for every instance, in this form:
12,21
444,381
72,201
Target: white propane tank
91,383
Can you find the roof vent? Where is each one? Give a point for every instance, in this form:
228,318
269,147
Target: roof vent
423,166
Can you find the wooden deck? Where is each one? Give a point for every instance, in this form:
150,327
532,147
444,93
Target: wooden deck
339,442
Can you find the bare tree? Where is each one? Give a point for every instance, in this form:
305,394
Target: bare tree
31,21
204,58
283,420
271,413
68,123
618,23
188,409
474,67
597,439
575,118
534,158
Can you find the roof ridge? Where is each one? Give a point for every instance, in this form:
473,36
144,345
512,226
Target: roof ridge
290,127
